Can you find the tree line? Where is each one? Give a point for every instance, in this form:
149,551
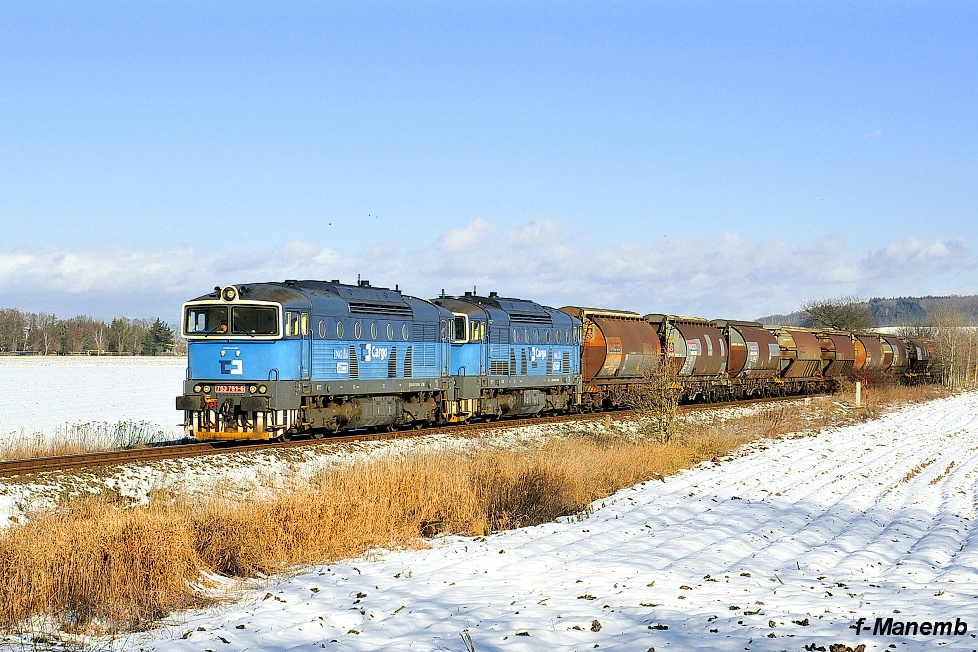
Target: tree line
46,334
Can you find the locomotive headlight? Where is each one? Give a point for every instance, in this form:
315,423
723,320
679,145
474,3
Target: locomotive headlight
229,293
262,389
252,389
207,388
197,389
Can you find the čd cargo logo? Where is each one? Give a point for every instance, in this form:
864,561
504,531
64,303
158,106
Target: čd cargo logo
369,352
232,367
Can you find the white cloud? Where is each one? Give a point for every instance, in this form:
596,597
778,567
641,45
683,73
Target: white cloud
471,234
729,276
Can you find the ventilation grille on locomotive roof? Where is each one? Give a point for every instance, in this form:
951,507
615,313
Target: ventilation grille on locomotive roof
392,363
409,362
531,318
381,309
354,363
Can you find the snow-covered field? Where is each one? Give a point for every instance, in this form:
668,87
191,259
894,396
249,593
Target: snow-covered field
49,394
783,547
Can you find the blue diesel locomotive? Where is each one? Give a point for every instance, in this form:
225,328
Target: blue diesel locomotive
271,360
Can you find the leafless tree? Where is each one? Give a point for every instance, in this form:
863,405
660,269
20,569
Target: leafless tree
956,337
845,313
99,337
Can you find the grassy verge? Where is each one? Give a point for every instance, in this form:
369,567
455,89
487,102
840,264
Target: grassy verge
94,565
93,437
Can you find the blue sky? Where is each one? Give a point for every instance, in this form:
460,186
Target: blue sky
717,159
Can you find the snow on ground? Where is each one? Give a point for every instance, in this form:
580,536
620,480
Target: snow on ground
782,547
45,394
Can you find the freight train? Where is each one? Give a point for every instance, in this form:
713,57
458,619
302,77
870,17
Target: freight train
272,360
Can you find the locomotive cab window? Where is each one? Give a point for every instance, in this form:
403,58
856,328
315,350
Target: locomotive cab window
254,320
478,331
460,334
205,320
292,325
220,321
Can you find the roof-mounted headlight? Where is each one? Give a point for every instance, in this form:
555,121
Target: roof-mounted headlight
229,293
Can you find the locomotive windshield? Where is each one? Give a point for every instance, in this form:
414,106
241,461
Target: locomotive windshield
224,320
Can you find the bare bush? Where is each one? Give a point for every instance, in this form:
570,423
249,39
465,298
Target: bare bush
656,398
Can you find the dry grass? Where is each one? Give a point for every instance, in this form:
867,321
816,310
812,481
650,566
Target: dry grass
81,438
93,563
98,565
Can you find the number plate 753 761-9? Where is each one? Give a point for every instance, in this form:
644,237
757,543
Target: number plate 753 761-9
229,389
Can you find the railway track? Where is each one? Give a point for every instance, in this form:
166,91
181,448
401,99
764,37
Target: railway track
11,468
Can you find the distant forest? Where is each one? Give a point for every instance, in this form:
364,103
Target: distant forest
899,311
46,334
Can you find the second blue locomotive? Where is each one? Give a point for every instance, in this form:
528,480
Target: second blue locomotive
269,360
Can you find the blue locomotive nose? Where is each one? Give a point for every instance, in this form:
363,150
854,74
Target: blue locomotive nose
258,361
